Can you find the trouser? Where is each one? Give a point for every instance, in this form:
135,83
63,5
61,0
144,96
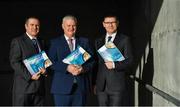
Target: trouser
109,99
27,99
73,99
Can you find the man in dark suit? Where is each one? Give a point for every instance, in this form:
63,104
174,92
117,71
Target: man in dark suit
27,89
110,80
70,82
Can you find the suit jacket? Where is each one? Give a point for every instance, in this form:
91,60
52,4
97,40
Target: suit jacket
62,82
22,48
114,80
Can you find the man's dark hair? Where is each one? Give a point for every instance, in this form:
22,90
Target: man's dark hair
110,15
31,17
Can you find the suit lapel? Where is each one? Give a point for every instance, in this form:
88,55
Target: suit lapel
29,43
101,42
77,42
63,43
41,43
116,40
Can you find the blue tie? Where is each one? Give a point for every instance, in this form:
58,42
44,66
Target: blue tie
35,43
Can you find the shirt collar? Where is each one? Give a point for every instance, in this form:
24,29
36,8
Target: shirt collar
113,36
30,36
66,37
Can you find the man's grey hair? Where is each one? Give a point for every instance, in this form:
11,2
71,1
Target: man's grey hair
67,17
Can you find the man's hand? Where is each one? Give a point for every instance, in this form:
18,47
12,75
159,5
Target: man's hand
43,71
80,70
36,76
74,69
109,64
94,90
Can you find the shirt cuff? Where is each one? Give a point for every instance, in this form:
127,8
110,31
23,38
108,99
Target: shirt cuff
113,65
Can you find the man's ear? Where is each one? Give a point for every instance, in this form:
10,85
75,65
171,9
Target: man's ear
25,25
103,24
62,26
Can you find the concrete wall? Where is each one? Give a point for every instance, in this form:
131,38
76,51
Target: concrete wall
157,59
166,48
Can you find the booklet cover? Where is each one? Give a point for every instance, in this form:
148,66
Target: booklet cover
77,57
36,62
109,52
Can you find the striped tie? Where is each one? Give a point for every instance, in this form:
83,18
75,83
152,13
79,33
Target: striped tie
35,43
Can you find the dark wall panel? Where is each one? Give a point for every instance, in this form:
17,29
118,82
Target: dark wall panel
89,14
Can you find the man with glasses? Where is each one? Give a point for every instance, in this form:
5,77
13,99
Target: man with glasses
110,80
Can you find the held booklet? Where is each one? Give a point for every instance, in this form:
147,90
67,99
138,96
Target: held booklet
77,57
34,63
109,52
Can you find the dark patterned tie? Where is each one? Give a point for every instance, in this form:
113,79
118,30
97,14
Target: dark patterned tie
109,38
35,43
70,44
71,48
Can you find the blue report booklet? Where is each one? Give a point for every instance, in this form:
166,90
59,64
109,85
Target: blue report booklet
109,52
78,57
35,62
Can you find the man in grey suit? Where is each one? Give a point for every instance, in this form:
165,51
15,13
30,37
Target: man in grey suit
27,89
110,80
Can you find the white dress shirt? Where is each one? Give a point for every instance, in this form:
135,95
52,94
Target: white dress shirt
39,48
112,39
73,41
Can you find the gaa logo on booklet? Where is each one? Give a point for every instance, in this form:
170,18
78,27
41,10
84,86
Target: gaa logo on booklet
86,56
110,45
47,63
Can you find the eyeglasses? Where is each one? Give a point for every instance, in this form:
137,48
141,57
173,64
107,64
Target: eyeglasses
110,22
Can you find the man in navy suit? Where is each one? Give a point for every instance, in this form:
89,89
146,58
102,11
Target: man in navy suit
70,82
111,80
28,90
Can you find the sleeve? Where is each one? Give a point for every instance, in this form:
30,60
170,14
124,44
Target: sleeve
127,52
88,66
95,68
16,60
58,65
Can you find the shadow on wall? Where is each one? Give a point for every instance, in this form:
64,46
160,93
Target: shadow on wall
145,13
